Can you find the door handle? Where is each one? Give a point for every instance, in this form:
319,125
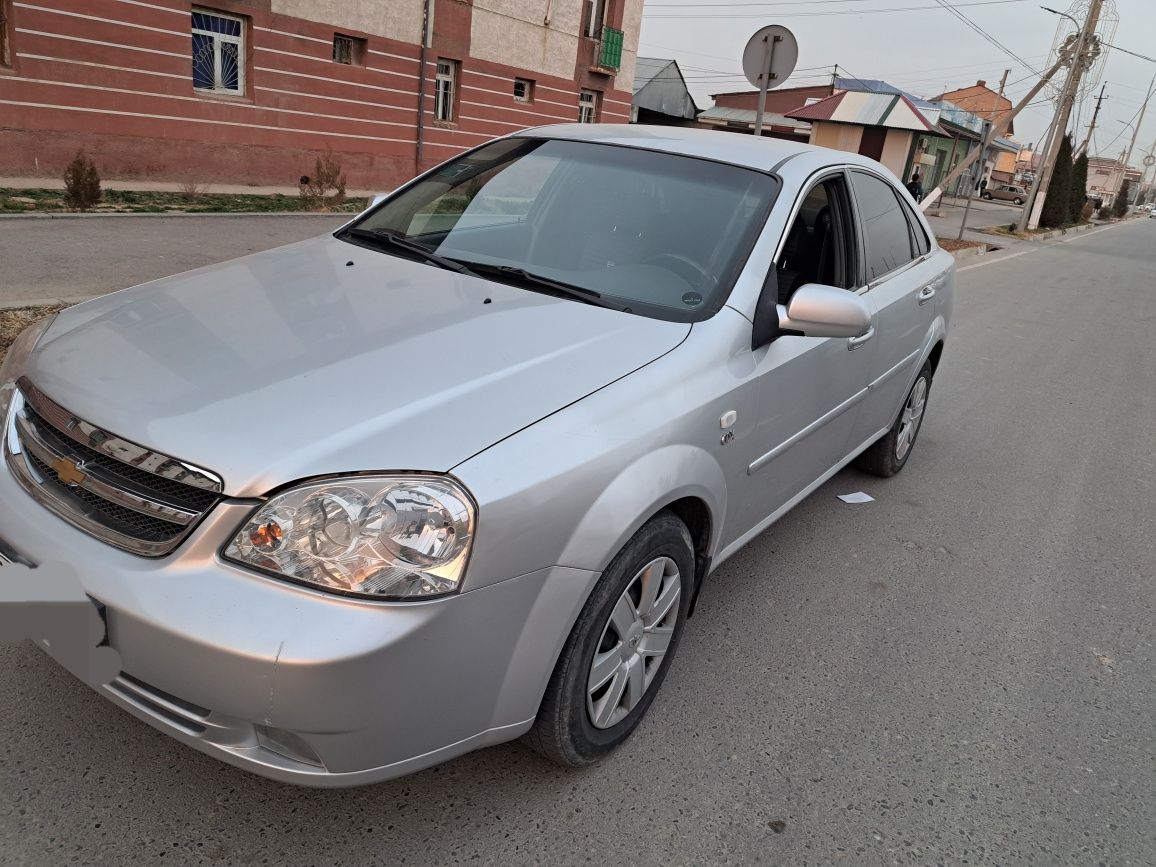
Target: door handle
854,343
926,293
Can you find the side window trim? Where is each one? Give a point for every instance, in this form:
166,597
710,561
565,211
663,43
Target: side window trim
917,231
895,272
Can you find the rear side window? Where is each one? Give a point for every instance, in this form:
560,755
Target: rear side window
919,238
887,239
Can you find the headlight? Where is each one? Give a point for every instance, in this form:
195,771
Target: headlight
385,537
18,353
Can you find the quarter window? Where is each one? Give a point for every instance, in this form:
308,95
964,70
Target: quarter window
588,106
218,52
445,86
886,234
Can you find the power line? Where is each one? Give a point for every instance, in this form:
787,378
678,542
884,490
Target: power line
967,21
830,12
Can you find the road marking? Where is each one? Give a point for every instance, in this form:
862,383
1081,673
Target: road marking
1043,246
995,260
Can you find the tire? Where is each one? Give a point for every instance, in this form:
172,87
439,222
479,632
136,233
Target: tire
577,726
887,455
1018,201
985,196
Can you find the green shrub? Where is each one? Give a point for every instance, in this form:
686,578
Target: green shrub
81,184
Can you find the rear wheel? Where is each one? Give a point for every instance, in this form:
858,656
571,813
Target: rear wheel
1018,201
619,651
887,455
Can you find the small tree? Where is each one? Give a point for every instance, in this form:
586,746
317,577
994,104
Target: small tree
1079,191
326,188
1056,207
1120,206
81,183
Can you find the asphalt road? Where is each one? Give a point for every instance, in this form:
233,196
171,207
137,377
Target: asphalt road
73,258
959,672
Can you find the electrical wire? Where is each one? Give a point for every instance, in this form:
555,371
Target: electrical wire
971,24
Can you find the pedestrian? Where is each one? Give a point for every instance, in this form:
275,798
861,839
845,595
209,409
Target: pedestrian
915,186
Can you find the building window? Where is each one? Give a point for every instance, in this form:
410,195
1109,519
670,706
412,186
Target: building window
348,50
218,52
588,106
523,90
593,14
445,88
5,34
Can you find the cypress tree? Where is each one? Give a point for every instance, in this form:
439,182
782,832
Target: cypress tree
1079,193
1055,213
1120,205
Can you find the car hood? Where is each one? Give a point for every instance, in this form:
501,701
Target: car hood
324,357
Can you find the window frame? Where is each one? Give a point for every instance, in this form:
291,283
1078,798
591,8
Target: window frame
595,104
7,52
849,216
240,41
449,102
357,49
528,99
915,259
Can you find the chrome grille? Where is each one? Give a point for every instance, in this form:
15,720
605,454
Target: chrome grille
123,493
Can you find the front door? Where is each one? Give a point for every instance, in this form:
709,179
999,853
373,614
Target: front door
808,388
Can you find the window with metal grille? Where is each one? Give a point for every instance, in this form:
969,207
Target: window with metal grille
523,90
5,36
218,52
349,50
445,86
588,106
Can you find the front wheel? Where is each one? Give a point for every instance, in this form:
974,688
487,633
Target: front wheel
886,456
618,653
1018,201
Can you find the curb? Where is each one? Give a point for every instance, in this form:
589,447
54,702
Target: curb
348,215
45,302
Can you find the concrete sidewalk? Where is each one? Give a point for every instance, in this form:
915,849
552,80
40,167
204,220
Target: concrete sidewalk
150,186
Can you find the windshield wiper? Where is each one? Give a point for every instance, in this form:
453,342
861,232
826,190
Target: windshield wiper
387,239
537,282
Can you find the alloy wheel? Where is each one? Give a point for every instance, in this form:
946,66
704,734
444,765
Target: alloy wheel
909,421
634,641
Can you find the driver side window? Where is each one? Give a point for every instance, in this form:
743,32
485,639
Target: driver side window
818,246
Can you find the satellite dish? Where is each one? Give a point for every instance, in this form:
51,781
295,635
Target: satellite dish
770,57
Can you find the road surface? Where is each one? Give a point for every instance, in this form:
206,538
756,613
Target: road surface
958,672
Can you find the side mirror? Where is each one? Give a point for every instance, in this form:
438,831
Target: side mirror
825,311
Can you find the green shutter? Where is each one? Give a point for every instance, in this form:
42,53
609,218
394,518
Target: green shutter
611,55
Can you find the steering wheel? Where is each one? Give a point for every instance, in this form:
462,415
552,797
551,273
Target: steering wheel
699,276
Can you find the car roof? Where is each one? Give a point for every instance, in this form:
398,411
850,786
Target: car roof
755,152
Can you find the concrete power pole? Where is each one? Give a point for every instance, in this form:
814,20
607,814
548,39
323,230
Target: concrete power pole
988,126
1139,121
1030,218
1092,125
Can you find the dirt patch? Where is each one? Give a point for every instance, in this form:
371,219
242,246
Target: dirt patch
12,322
952,244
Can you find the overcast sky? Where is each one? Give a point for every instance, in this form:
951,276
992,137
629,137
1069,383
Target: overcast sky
924,49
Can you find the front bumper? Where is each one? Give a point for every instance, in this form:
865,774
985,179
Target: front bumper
302,686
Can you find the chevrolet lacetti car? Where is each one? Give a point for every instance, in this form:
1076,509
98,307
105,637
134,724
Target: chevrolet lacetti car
454,474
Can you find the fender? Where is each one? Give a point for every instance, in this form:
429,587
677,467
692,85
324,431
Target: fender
636,494
936,333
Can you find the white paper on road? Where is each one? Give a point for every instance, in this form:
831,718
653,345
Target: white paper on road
857,497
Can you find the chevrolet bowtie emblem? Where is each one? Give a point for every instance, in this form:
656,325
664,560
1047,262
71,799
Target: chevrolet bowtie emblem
68,472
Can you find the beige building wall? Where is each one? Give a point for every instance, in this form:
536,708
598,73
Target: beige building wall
511,32
631,27
840,136
397,19
895,150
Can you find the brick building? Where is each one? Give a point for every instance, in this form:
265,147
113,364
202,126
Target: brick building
251,90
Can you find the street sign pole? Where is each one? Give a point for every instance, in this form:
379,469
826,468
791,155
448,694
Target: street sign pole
765,79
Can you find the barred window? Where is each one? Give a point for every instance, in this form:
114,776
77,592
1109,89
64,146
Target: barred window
523,90
218,52
445,87
349,50
588,106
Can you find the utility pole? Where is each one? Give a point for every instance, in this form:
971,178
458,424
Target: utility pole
1086,40
1139,121
1092,125
988,126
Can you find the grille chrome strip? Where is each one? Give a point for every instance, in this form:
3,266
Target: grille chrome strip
109,444
145,508
95,483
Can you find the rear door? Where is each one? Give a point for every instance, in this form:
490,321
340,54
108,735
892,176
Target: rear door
901,279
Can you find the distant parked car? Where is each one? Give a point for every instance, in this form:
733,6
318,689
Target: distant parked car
473,453
1006,193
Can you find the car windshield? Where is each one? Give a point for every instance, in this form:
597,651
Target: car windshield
656,234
